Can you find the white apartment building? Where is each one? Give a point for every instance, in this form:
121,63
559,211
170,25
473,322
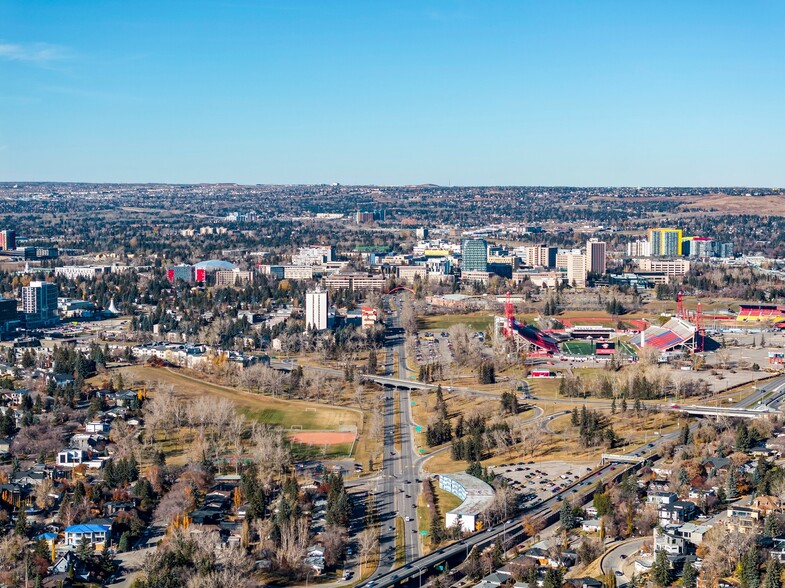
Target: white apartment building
316,309
313,255
577,268
639,249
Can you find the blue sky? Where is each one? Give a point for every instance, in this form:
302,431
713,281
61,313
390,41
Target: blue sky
486,92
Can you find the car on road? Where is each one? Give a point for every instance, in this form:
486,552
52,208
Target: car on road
407,519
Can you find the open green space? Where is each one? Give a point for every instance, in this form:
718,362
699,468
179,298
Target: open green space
263,409
478,321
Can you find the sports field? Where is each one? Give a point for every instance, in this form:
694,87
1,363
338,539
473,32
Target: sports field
580,347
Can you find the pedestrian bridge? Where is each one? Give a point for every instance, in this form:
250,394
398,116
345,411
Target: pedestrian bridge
617,458
718,411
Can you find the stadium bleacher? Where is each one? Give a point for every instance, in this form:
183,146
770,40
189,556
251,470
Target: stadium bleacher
675,333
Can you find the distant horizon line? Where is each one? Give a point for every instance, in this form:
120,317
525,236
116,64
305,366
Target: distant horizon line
12,183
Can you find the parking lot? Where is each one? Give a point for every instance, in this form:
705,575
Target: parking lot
537,481
433,347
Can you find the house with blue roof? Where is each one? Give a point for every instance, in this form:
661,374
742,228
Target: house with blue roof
97,535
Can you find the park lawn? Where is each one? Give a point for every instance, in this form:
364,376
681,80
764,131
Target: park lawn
424,522
263,409
400,545
334,451
478,321
544,387
445,501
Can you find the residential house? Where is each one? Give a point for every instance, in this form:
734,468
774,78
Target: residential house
32,477
498,578
69,458
660,497
315,558
742,519
777,549
762,451
716,463
101,427
765,504
676,512
591,525
95,534
16,495
584,582
14,397
65,563
668,540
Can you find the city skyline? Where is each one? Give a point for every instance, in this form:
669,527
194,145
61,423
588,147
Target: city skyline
446,93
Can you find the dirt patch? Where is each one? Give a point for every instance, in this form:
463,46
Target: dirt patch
773,205
322,437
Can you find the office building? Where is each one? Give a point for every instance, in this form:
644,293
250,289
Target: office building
316,309
576,269
7,240
369,216
8,313
595,252
233,277
39,303
665,242
474,255
676,267
72,272
313,255
355,281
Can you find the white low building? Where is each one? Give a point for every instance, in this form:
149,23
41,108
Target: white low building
476,496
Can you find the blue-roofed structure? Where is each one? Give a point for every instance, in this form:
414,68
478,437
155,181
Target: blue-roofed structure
94,534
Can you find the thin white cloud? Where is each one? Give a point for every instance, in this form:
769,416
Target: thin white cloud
33,52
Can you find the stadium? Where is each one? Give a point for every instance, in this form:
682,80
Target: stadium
761,313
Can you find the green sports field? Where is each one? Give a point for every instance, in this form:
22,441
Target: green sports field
580,347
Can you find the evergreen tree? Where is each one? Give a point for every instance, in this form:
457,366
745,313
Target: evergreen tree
661,569
683,476
372,362
748,570
497,554
686,436
554,578
122,546
21,527
473,566
731,485
773,572
689,577
742,437
85,550
771,527
566,516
